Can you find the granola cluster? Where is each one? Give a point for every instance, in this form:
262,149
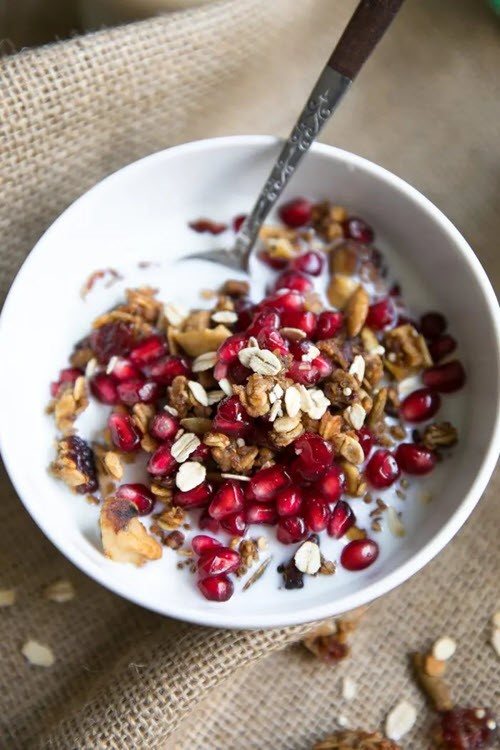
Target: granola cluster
275,411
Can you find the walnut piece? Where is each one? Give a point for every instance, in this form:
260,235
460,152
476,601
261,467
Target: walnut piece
327,220
70,402
230,457
235,288
142,302
341,389
439,435
255,394
331,348
406,351
124,538
330,425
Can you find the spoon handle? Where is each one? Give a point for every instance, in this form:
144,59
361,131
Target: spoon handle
364,30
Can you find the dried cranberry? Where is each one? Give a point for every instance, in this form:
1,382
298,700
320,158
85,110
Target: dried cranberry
207,225
148,350
202,543
289,501
381,314
296,212
228,499
466,729
104,388
235,523
432,325
218,560
445,378
359,554
216,588
291,529
293,280
329,324
415,459
382,469
261,513
311,263
165,369
313,456
359,230
420,405
112,339
162,463
124,432
231,418
331,484
316,513
341,520
266,483
138,391
138,494
83,457
195,498
238,222
442,346
164,426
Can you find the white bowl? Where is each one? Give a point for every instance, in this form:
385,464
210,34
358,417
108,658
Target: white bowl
141,214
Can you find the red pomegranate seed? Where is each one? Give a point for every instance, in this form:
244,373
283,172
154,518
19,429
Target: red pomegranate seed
104,388
306,321
359,230
235,523
124,433
261,513
195,498
303,373
138,494
228,499
329,324
202,543
245,310
237,373
291,529
165,369
164,426
432,325
316,513
238,222
466,729
68,375
296,212
415,459
341,520
311,263
147,350
365,440
230,348
273,340
277,264
162,463
208,523
313,456
285,301
231,418
323,365
381,314
445,378
265,320
331,484
359,554
420,405
216,588
219,560
138,391
207,225
289,501
201,453
293,280
441,347
266,483
123,369
112,339
382,469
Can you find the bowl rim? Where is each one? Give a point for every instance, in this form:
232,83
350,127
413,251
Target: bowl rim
221,618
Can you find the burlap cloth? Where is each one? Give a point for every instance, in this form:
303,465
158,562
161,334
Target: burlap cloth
428,107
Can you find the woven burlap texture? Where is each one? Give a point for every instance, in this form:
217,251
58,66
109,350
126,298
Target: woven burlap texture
426,107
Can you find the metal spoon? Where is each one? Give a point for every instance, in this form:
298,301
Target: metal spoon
365,29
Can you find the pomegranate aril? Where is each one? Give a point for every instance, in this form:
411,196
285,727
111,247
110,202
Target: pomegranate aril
112,339
365,438
207,225
265,320
331,484
285,301
441,347
432,325
306,321
310,262
316,513
104,388
466,729
165,369
195,498
277,264
261,513
245,310
231,418
138,391
219,560
415,459
235,523
124,369
289,501
138,494
445,378
162,463
237,373
359,554
296,213
293,280
323,365
83,456
329,324
291,529
68,375
381,314
357,229
382,469
217,588
341,520
420,405
238,222
201,453
207,523
228,499
164,426
303,373
148,350
202,543
266,483
229,349
124,432
273,340
313,456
